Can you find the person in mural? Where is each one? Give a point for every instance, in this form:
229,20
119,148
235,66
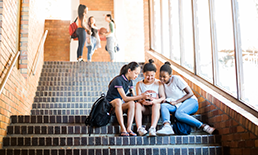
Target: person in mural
110,36
93,40
81,30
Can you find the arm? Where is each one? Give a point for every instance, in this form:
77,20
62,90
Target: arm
138,92
111,29
161,94
127,98
188,94
93,26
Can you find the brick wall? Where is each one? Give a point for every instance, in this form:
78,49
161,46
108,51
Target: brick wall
57,45
99,5
237,127
17,96
146,14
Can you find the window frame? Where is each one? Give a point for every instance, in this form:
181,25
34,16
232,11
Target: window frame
214,49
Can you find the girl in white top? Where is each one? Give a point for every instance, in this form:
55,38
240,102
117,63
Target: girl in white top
179,99
155,88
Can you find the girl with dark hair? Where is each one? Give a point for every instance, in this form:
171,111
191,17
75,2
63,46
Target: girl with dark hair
181,100
116,95
155,88
82,11
110,36
93,41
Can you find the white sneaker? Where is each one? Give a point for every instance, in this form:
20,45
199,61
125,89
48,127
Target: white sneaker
208,129
166,130
141,131
152,131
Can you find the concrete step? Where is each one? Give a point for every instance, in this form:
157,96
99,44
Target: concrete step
83,140
115,150
77,129
74,119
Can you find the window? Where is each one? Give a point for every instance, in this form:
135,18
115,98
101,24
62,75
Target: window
203,40
225,45
156,23
165,29
248,15
220,35
186,34
174,31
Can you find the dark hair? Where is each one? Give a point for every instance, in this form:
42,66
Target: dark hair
89,24
132,66
110,17
166,68
149,66
81,9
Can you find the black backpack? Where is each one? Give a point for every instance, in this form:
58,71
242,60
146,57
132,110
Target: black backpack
100,113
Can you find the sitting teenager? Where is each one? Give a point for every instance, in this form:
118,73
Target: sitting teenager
179,99
116,95
155,88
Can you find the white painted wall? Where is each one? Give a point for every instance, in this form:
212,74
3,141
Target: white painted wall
128,15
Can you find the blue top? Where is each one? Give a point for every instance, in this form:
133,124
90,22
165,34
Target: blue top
119,82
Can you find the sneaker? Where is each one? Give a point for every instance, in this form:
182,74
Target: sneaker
208,129
152,131
166,130
141,131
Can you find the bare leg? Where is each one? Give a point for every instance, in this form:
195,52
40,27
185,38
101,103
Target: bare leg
138,114
155,115
129,106
117,104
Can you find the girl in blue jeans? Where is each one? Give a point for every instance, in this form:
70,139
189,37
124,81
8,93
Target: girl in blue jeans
179,99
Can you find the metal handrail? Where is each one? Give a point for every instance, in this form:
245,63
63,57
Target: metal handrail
9,71
40,50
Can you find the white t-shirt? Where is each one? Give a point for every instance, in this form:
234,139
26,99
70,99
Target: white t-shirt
174,90
152,89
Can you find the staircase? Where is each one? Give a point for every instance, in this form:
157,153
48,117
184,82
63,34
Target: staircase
64,97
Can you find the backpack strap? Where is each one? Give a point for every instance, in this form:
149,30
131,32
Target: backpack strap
75,19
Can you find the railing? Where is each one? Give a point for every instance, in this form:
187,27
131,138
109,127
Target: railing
9,71
42,42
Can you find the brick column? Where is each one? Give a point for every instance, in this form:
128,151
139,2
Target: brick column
24,38
1,14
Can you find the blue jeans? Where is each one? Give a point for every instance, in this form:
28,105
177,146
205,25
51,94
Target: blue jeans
110,47
91,47
81,33
188,107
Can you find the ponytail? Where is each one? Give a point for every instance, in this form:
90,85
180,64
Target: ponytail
110,17
166,68
149,66
132,66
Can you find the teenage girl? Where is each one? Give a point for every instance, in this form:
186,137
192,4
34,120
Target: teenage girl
93,41
116,95
110,36
181,100
82,11
156,89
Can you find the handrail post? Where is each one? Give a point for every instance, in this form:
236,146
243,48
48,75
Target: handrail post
9,71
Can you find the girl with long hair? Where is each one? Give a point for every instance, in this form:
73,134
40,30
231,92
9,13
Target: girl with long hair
81,30
93,41
110,36
116,95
